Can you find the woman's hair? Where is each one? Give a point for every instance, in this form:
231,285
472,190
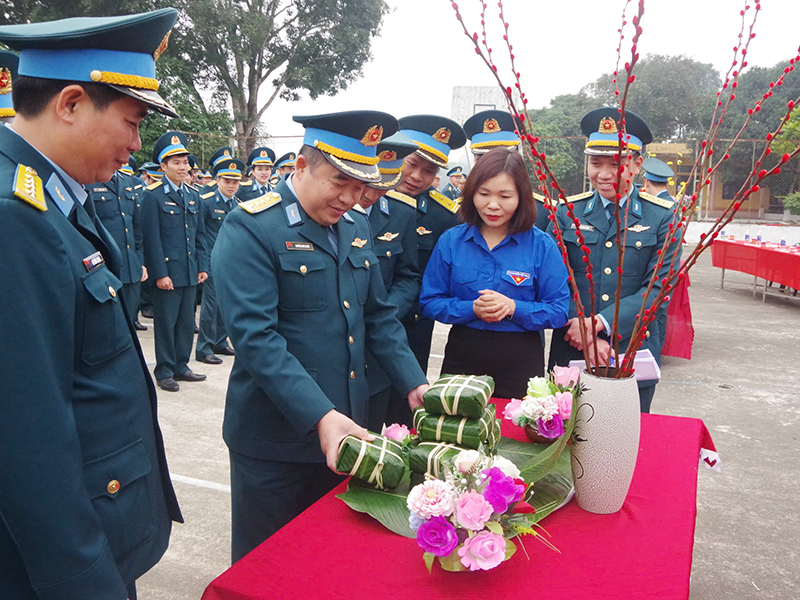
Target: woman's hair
491,164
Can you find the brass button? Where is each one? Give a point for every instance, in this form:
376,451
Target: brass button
187,225
346,304
607,270
113,486
604,297
129,246
303,269
609,243
112,291
172,212
126,230
647,333
167,259
351,340
366,263
638,243
352,374
123,214
388,254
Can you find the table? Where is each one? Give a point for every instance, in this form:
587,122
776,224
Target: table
779,264
679,334
642,552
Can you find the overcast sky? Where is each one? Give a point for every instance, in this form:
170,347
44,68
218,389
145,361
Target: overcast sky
560,45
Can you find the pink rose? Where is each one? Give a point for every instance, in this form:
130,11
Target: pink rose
564,401
473,510
513,411
395,432
566,376
433,498
483,551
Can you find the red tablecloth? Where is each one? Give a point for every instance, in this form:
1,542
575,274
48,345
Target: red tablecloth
679,336
642,552
781,265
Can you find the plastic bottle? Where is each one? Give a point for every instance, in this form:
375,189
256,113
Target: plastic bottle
783,241
758,239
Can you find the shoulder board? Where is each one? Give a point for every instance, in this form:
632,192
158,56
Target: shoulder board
207,195
153,186
212,184
359,208
28,187
656,200
136,187
543,199
402,198
582,196
451,205
250,182
194,187
261,203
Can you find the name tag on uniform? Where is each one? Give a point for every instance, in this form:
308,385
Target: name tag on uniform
100,189
518,277
168,203
217,210
93,261
307,246
583,227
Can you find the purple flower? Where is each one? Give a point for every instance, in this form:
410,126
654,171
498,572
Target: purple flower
552,428
437,536
501,490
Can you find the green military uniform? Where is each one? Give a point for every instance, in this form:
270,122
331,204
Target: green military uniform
86,500
174,247
301,311
214,207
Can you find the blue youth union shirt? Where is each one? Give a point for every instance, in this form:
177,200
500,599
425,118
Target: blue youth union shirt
526,266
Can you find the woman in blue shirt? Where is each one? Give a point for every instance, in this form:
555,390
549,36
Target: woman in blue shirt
498,280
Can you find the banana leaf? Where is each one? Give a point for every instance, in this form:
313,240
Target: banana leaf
387,506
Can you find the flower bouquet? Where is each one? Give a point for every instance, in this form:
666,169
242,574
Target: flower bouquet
466,521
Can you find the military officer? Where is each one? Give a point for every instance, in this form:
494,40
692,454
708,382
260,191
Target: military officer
289,266
117,203
453,188
9,62
215,205
176,259
260,163
86,502
151,173
656,175
648,220
283,166
204,178
393,221
435,136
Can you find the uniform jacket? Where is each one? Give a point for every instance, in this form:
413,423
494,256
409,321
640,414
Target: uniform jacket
174,234
118,205
647,228
301,320
451,191
85,495
393,221
214,207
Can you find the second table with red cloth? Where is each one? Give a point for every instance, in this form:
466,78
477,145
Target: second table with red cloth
642,552
778,264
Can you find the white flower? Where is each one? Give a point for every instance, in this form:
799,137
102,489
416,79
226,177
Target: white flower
433,498
466,460
539,408
506,466
538,387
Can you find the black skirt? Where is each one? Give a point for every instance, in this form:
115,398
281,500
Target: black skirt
509,357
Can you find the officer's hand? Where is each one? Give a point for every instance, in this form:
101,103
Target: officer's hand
332,429
415,396
165,283
603,352
202,276
573,335
144,273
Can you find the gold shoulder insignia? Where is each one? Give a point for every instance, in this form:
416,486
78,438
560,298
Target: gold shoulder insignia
207,195
359,208
451,205
656,200
194,187
551,201
153,186
28,187
244,184
261,203
538,197
213,183
402,198
136,187
582,196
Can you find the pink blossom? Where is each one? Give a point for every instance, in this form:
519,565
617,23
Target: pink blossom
552,428
433,498
513,411
483,551
564,401
395,432
566,376
473,510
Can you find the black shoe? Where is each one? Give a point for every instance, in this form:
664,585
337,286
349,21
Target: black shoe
210,359
227,351
147,313
190,376
139,327
168,384
196,330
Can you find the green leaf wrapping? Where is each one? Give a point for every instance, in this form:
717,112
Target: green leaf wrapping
379,462
429,457
459,395
388,507
463,431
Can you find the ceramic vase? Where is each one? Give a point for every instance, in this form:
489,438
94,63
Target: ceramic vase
605,442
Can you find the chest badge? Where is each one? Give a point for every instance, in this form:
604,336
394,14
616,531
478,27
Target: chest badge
388,237
638,228
423,231
518,277
359,243
306,246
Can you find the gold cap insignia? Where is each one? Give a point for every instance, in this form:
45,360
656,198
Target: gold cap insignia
491,126
263,154
5,81
226,153
232,166
607,125
175,140
359,243
373,136
162,46
388,155
442,135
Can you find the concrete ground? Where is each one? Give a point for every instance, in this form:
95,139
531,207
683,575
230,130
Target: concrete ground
742,381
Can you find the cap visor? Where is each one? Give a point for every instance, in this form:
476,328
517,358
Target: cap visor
365,173
431,158
387,182
149,97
